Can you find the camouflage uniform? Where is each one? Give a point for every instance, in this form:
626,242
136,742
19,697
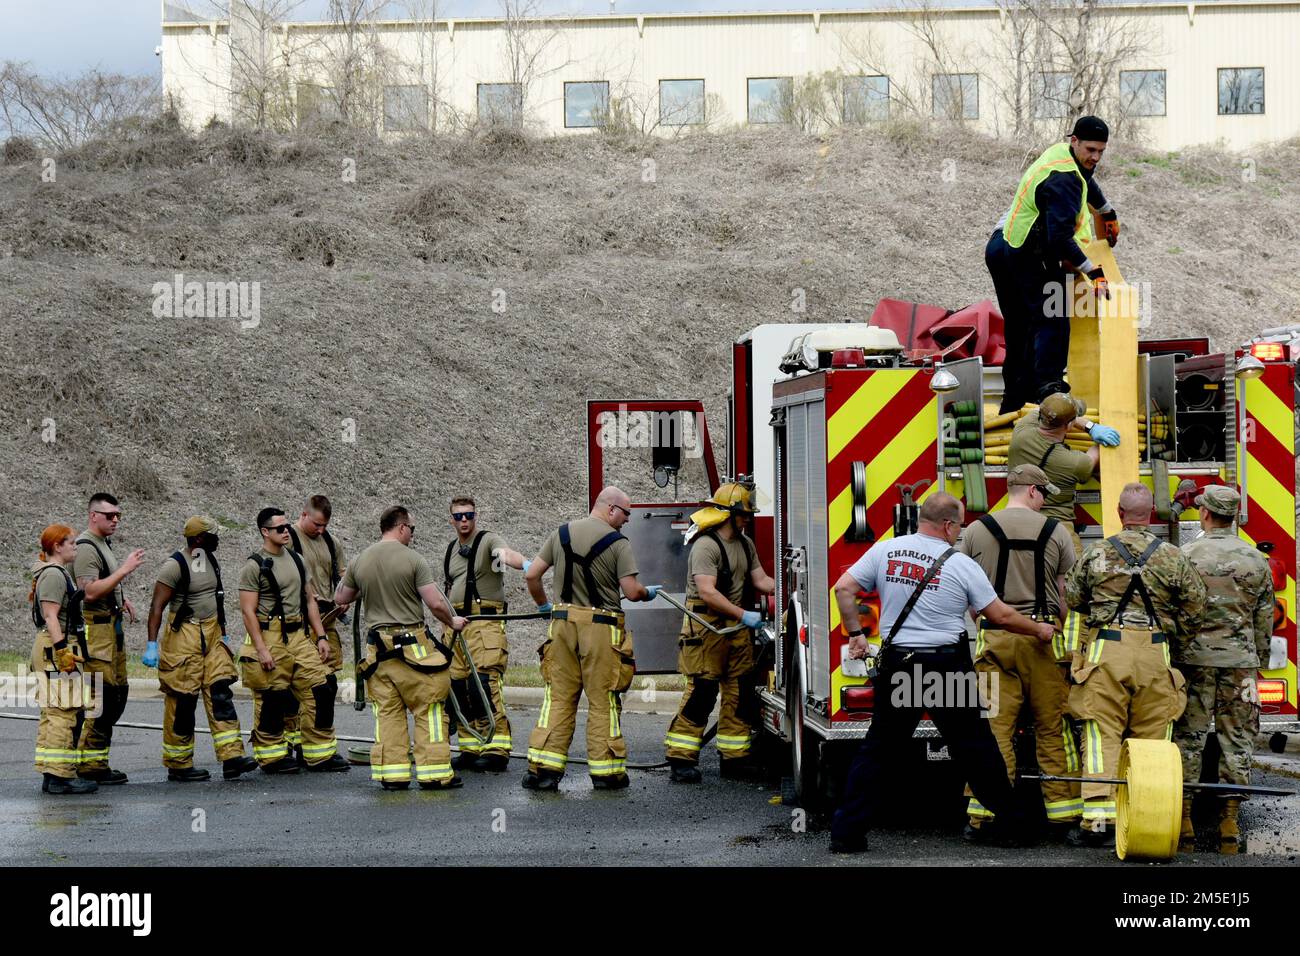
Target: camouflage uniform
1220,662
1125,685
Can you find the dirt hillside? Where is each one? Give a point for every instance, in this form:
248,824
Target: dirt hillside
460,301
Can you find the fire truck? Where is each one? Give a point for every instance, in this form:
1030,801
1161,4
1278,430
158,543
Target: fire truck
846,431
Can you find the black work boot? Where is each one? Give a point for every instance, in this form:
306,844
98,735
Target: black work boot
108,778
738,768
395,784
465,761
684,772
232,768
336,764
455,783
283,765
613,782
492,763
67,785
545,780
1081,837
849,845
188,775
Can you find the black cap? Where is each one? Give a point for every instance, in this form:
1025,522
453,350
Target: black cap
1091,128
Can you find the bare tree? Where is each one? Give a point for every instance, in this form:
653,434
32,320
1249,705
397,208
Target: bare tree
531,40
62,112
424,68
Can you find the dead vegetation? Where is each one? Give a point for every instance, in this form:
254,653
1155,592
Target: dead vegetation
454,307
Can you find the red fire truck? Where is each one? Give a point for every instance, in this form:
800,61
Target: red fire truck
843,431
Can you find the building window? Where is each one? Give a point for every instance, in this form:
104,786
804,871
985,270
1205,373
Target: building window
1142,92
501,104
956,95
1241,90
405,108
770,99
681,102
866,98
586,104
316,104
1051,95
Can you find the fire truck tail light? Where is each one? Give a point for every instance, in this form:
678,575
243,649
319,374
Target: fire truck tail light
858,699
1269,351
1272,691
803,634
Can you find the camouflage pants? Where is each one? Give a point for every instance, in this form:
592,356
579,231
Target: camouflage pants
1223,700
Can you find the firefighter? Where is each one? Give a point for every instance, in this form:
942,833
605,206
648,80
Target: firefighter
723,570
58,655
323,555
923,615
1033,247
406,665
281,664
1137,595
1221,660
1039,439
195,659
474,581
1026,555
100,578
588,647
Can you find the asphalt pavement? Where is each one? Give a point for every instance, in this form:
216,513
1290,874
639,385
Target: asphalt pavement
346,819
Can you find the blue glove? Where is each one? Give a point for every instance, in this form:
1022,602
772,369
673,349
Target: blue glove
1104,435
527,564
652,591
751,619
150,658
544,608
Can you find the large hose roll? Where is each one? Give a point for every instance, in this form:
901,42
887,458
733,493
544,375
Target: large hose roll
1149,805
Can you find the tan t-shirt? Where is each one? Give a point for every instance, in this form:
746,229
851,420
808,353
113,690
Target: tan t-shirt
89,562
316,553
614,563
389,575
977,542
285,571
1065,467
489,580
203,584
52,586
706,558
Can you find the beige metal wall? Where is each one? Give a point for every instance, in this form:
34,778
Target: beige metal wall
1190,42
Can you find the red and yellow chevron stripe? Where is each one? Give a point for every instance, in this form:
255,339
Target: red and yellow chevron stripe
888,419
1266,468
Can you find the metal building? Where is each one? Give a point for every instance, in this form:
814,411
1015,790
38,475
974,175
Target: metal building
1170,74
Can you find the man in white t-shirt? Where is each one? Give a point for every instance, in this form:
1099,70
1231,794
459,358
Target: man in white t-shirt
925,665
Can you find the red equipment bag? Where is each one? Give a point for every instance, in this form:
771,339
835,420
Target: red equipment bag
930,330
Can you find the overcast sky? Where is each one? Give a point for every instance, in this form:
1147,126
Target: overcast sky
68,36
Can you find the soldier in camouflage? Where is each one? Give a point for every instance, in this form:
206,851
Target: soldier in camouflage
1138,595
1220,662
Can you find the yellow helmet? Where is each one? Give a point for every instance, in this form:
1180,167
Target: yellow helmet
733,497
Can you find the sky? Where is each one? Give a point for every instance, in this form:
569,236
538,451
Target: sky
65,37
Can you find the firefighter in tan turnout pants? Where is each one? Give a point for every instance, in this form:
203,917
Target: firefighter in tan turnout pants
474,582
723,568
194,660
310,537
1026,556
57,657
588,647
406,666
1137,594
100,577
284,655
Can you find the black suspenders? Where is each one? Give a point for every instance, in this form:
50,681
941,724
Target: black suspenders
1135,583
570,559
1038,546
471,573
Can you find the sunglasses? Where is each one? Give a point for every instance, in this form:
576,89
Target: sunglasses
1042,490
411,526
278,528
622,509
463,515
109,515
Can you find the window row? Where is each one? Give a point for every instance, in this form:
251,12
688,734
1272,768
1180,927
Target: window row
771,99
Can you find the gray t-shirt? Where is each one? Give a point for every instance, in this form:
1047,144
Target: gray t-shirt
893,568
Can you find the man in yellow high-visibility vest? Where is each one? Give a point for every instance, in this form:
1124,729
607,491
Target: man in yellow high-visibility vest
1034,246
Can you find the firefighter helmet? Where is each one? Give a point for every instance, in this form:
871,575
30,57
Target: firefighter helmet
731,498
